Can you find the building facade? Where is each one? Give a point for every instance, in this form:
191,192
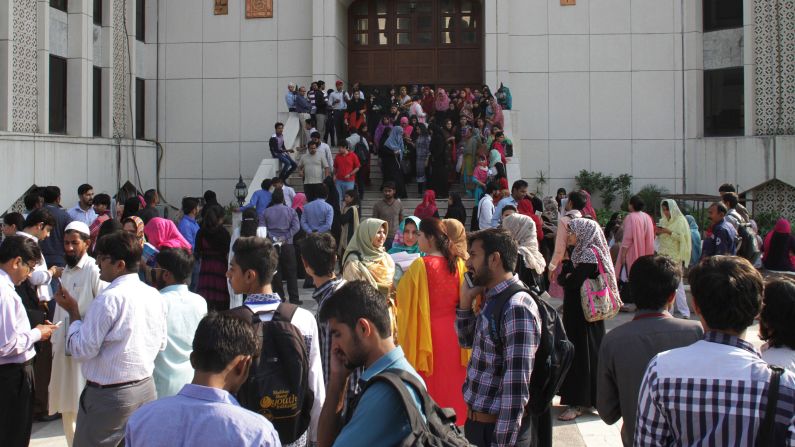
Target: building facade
683,94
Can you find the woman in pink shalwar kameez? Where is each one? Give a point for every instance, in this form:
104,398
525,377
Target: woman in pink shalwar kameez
638,236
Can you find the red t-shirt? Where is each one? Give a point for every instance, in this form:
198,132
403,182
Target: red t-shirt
344,165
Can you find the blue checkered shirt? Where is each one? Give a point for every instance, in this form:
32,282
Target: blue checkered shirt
498,382
711,393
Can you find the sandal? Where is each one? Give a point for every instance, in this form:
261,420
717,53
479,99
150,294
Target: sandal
570,414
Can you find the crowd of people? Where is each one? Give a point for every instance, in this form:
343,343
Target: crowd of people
434,137
135,328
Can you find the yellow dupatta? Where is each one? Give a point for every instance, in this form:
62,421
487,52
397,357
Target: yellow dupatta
414,317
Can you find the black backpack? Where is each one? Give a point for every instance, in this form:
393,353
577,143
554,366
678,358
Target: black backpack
555,352
748,244
508,149
474,223
438,429
278,383
360,149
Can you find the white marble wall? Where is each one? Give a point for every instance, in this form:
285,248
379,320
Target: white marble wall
599,87
69,162
223,80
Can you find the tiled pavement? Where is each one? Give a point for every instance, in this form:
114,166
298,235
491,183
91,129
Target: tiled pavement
586,431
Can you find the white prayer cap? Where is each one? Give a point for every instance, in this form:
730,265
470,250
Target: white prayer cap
78,226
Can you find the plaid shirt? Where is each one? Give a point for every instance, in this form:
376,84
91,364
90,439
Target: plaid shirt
711,393
498,382
320,295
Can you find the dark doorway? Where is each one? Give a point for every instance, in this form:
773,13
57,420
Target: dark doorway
399,42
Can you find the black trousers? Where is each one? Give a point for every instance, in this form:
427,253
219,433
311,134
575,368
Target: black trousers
16,404
288,270
481,434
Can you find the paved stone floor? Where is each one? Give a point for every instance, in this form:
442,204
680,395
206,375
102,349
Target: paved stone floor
586,431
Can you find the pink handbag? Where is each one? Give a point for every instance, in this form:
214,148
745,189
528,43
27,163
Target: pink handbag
597,298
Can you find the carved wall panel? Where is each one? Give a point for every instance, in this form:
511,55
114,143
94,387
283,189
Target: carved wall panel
774,45
121,78
25,90
259,9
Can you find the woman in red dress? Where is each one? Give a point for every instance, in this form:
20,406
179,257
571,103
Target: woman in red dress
427,298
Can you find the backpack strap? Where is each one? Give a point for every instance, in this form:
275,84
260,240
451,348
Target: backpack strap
496,311
285,312
766,433
244,313
398,379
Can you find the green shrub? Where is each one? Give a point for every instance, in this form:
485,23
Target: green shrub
652,195
766,221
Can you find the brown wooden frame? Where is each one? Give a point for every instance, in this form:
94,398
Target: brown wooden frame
449,64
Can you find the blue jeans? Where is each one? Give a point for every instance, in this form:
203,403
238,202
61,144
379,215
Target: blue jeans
342,187
288,165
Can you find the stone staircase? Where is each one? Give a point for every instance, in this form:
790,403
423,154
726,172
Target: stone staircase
372,193
269,167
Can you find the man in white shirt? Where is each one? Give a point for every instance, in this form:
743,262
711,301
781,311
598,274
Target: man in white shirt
38,227
324,149
81,280
251,272
18,256
84,210
185,310
486,206
338,100
123,331
289,192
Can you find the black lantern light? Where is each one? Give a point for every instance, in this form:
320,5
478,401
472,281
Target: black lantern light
241,191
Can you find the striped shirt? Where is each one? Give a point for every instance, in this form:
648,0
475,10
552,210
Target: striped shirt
711,393
499,382
121,334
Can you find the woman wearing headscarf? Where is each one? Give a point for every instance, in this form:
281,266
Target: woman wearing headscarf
779,248
391,154
494,115
365,258
438,162
695,241
349,219
471,146
525,207
298,205
673,235
590,249
531,264
134,225
588,211
427,299
212,250
427,208
455,208
423,147
333,199
409,229
638,237
442,105
383,124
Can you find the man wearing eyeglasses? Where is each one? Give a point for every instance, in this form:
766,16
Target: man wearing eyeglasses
117,342
18,257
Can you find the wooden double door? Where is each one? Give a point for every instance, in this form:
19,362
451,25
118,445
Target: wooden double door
399,42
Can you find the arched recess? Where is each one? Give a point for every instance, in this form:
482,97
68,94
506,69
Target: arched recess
395,42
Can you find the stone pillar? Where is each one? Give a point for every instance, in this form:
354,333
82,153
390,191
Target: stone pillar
80,47
6,70
43,69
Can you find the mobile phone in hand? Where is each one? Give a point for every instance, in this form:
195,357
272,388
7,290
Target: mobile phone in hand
468,278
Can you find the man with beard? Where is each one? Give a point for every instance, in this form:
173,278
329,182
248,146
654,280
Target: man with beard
497,385
80,279
84,211
390,210
184,311
361,335
123,331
